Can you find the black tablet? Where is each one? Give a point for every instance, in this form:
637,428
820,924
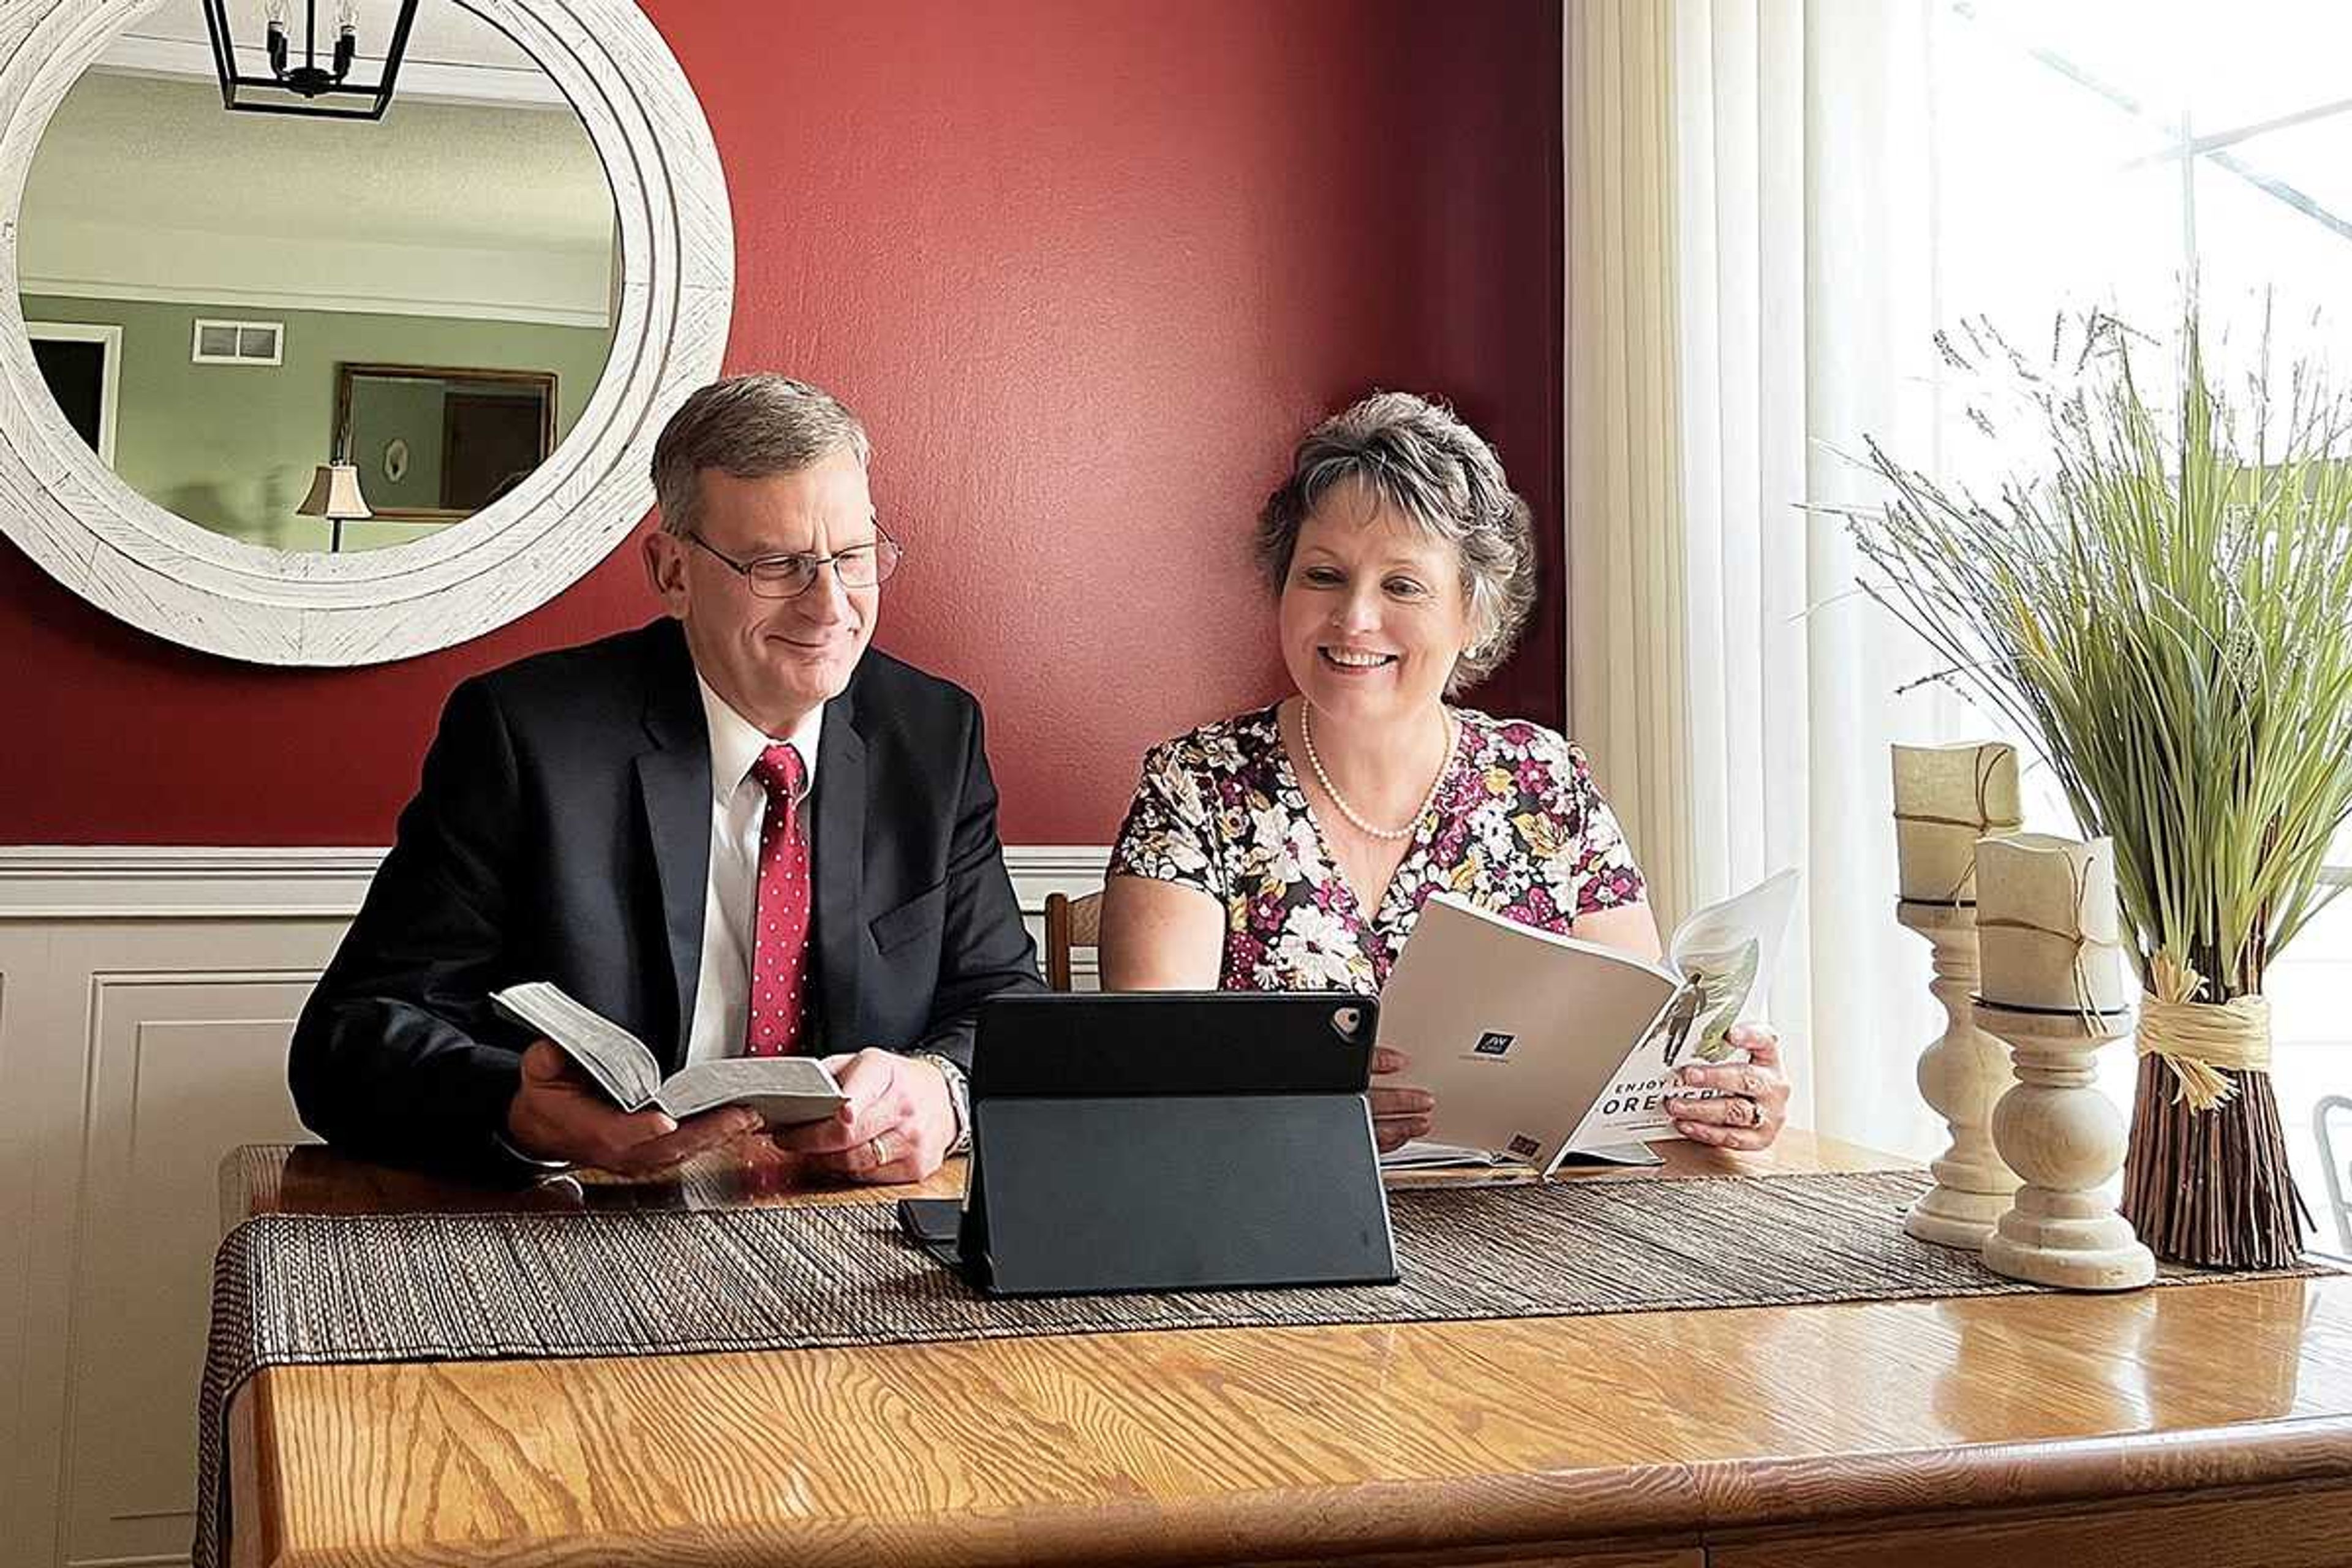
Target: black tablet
1175,1042
1170,1141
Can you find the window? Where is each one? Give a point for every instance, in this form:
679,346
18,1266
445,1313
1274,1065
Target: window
2112,152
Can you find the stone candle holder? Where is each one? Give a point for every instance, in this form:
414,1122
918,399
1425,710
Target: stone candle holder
1962,1074
2066,1140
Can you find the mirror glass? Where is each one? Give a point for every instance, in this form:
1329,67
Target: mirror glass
433,444
314,332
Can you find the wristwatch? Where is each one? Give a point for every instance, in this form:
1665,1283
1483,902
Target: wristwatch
959,1095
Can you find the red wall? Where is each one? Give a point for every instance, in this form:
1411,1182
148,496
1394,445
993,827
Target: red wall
1087,268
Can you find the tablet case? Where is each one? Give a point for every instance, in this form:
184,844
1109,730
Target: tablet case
1169,1141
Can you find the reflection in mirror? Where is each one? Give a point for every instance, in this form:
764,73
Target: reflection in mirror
435,444
222,303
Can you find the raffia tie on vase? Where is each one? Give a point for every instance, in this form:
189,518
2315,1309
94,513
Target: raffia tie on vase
2201,1042
1984,822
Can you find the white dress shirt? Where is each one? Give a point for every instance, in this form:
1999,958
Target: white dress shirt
738,807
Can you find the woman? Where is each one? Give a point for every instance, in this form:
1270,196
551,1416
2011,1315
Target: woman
1291,849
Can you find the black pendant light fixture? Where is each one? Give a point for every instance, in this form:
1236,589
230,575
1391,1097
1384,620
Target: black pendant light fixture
312,84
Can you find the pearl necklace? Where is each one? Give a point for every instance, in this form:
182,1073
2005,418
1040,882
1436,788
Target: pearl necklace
1445,767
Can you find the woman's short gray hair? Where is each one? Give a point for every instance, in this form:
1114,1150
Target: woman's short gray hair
749,426
1416,456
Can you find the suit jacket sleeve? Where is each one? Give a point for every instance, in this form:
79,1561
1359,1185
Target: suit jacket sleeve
985,949
397,1055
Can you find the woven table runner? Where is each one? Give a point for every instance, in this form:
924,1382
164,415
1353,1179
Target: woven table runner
316,1289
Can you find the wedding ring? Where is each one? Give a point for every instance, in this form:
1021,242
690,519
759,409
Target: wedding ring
882,1150
1755,1112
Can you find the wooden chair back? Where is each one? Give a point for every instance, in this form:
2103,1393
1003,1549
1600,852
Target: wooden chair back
1070,923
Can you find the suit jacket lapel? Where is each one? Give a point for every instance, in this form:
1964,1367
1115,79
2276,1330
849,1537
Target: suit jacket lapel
839,869
674,788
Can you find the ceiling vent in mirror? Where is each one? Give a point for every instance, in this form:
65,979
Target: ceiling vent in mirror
240,343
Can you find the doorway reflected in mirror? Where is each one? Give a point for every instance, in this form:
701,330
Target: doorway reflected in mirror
82,362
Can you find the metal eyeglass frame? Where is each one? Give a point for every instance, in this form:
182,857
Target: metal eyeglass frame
886,550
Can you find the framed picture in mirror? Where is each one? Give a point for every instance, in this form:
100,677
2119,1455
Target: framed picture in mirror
437,443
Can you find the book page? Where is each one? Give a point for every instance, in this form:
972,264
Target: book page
784,1091
1722,952
1515,1031
615,1059
1421,1154
1632,1107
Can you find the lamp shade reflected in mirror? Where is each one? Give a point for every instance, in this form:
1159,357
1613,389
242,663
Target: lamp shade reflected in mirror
223,304
335,496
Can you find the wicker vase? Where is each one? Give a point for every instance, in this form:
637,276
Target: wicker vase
2211,1188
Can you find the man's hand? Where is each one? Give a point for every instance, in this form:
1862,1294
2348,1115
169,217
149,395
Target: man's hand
896,1126
560,1114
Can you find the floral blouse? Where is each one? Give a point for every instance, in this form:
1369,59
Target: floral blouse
1517,828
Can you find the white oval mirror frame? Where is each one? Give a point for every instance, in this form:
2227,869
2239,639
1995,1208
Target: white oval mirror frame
164,574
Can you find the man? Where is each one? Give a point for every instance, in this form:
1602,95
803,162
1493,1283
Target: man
732,831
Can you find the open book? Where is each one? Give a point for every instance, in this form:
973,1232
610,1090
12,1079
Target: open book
1537,1046
784,1091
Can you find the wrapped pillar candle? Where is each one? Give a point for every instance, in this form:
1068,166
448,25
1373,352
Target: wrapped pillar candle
2049,932
1946,798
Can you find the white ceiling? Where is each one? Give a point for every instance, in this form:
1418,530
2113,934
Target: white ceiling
164,156
453,54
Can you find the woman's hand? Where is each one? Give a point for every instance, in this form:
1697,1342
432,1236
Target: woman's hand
1398,1114
1755,1103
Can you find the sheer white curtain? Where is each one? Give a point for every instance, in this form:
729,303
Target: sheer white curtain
1751,289
1772,207
1629,642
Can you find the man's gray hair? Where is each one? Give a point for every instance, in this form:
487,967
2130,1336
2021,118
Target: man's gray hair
1417,456
749,426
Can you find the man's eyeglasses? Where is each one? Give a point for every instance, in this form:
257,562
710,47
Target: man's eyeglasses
790,576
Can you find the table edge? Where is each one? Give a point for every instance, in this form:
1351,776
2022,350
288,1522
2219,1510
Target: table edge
1657,1502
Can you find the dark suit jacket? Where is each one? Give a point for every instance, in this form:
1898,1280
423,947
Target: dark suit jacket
563,832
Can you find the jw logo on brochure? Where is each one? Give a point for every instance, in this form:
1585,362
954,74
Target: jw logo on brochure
1493,1045
1524,1147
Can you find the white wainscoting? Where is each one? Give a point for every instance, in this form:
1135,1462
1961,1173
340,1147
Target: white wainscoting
146,997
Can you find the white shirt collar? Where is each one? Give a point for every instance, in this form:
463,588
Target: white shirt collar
736,743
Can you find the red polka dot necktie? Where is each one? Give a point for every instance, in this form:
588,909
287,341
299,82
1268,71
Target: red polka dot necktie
780,921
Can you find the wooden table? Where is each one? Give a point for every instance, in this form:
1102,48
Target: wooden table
2209,1424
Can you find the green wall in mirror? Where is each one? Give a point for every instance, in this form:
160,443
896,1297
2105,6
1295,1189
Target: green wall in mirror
231,446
